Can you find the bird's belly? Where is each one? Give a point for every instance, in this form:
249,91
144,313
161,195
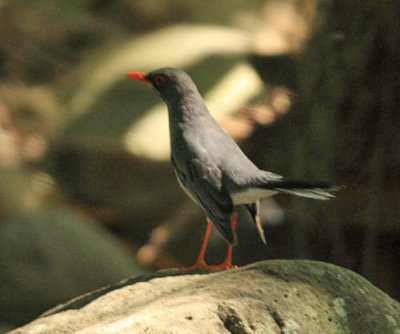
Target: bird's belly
249,196
187,192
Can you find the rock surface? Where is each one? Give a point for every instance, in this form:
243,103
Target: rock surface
51,255
280,296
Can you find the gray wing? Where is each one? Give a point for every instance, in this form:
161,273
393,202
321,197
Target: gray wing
254,210
204,183
211,145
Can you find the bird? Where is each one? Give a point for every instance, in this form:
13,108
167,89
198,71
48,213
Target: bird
210,166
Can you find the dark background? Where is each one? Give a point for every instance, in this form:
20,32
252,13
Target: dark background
87,194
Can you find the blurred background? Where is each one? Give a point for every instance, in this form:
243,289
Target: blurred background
88,197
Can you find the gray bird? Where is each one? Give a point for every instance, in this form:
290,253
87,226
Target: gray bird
210,166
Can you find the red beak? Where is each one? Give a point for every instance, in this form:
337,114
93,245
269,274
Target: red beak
137,76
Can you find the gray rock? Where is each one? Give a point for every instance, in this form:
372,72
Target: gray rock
280,296
51,255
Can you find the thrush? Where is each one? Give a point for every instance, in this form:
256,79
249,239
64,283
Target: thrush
211,168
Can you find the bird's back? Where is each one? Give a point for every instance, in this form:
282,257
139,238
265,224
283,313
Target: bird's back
208,142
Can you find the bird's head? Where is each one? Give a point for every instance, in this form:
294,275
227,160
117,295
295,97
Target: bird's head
170,83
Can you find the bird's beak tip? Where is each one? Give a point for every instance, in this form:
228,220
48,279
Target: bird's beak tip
141,76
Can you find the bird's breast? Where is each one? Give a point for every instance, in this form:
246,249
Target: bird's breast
184,188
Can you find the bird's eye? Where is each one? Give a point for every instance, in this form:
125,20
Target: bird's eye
159,80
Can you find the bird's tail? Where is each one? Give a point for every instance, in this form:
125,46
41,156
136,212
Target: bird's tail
316,190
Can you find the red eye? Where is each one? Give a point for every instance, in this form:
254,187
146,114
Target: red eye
159,80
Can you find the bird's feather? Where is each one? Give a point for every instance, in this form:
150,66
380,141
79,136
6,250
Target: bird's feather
208,191
310,189
254,209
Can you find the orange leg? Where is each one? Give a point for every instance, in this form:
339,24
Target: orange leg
227,264
201,263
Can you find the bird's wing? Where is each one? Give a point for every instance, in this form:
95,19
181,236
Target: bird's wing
254,209
204,183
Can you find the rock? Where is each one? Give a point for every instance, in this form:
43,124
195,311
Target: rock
51,255
278,296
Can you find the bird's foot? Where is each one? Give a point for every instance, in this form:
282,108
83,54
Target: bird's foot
199,265
202,265
227,264
222,266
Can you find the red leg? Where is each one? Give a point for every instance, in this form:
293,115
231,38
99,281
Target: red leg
227,264
201,264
